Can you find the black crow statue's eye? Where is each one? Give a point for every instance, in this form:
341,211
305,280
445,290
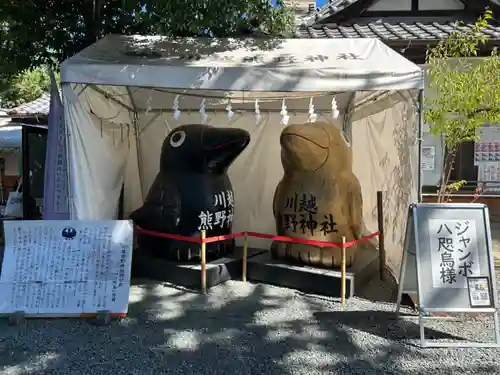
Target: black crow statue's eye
177,139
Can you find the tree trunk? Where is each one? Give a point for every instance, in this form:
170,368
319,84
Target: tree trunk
93,21
445,176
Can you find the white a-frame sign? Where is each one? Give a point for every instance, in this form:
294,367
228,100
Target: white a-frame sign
448,264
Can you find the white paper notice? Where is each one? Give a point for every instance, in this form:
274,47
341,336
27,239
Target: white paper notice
454,252
488,173
428,158
66,267
487,147
479,292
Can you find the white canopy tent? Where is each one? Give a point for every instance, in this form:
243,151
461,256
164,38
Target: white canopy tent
120,95
4,118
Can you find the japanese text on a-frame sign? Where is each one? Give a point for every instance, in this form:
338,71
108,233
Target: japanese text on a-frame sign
454,252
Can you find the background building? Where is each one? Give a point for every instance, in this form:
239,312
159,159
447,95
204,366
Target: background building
410,27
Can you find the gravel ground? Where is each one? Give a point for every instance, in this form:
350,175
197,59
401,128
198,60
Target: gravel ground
242,328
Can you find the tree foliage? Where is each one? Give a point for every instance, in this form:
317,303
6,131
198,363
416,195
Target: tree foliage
47,32
24,87
36,33
465,92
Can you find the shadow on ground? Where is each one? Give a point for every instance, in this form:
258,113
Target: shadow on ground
238,328
380,323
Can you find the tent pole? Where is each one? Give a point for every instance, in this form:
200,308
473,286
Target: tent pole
84,87
136,132
420,135
371,98
109,97
347,125
26,194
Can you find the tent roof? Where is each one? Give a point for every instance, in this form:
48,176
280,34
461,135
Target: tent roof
272,65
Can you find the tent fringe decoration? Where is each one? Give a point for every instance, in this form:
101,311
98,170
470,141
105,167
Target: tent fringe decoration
257,112
229,110
312,116
284,114
203,112
175,108
148,102
335,111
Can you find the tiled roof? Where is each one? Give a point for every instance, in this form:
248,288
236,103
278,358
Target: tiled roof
38,107
332,8
392,30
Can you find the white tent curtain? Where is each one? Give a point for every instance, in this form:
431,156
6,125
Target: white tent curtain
106,150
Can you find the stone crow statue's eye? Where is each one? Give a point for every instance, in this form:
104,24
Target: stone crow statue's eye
177,138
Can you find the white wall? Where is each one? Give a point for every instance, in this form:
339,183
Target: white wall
391,5
440,5
400,5
11,163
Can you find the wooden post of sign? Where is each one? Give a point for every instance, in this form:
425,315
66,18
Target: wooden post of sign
244,258
381,244
343,274
203,262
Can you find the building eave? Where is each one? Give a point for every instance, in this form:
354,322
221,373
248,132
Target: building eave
337,10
